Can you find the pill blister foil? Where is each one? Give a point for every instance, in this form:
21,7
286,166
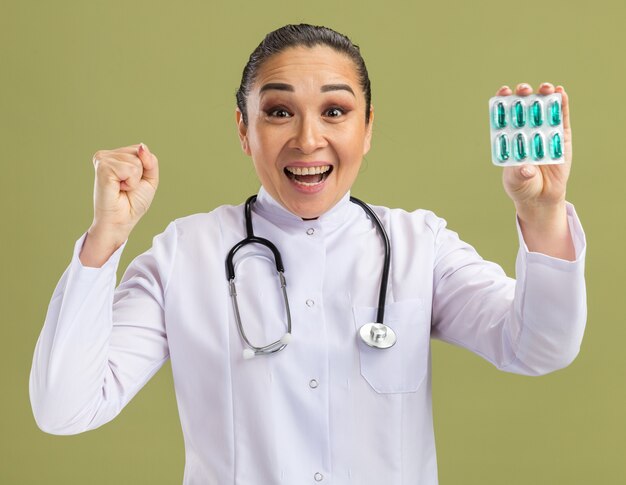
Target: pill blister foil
526,129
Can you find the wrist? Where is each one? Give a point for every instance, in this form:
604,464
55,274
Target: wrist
546,230
106,236
542,215
103,239
99,245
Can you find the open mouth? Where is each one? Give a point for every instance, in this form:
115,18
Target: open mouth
309,176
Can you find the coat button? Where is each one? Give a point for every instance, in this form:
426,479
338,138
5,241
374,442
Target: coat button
310,303
318,477
310,231
313,384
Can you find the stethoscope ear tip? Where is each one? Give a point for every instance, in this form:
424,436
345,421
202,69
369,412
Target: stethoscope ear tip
286,339
248,354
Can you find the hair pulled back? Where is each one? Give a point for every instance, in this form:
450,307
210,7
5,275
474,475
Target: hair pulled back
295,36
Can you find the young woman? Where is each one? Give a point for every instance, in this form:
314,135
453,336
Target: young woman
339,389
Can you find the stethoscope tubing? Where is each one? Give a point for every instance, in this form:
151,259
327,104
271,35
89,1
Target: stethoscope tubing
252,239
384,279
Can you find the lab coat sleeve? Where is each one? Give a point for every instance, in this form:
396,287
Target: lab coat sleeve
532,325
99,345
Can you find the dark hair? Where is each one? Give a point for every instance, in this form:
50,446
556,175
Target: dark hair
301,35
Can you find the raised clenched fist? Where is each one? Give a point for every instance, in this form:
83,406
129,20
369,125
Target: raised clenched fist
125,183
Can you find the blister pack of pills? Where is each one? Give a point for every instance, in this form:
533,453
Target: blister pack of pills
526,129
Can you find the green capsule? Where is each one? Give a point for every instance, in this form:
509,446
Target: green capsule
536,115
519,147
556,149
504,152
555,113
499,115
518,114
538,146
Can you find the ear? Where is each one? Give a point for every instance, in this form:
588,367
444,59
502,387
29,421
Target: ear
242,129
367,142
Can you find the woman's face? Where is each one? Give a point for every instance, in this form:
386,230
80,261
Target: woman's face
306,130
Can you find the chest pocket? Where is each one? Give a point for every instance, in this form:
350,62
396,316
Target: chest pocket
400,368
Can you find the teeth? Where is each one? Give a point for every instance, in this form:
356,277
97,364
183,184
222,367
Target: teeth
307,184
308,170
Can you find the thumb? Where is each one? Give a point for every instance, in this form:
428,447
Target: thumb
526,172
149,162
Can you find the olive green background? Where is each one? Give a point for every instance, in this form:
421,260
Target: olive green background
78,76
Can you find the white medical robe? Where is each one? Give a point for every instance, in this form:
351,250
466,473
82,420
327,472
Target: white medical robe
327,409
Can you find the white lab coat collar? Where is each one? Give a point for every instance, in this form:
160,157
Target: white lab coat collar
269,208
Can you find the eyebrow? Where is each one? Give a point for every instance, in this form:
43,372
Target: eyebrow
337,87
278,86
324,89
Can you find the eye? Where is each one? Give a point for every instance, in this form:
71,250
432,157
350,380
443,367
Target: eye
278,113
334,112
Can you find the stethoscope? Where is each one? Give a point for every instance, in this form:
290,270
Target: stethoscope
375,334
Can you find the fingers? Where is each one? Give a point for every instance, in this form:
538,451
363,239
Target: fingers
132,149
124,168
525,89
546,88
138,155
111,172
504,91
128,149
522,89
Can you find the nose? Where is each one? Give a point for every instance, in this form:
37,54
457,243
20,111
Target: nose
309,135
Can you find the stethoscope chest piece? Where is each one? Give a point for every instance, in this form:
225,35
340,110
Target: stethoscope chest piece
378,335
